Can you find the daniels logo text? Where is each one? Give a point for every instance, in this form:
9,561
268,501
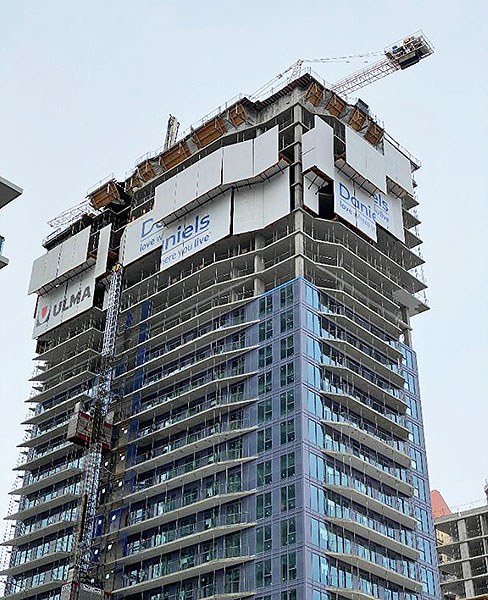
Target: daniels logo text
175,240
348,201
46,311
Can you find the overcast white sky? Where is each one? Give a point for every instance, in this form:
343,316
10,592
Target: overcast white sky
86,88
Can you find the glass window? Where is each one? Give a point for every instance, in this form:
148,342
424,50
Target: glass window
287,347
265,410
286,296
263,573
263,539
287,431
286,321
287,402
290,595
266,330
265,439
264,505
264,472
288,567
265,356
265,384
266,305
287,374
287,465
288,532
288,496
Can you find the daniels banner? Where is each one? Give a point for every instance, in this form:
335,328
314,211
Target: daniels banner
355,205
64,302
197,230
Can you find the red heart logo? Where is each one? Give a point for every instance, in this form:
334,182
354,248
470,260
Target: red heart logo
43,312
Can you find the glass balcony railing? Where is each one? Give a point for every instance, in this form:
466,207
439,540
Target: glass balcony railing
2,243
188,498
171,535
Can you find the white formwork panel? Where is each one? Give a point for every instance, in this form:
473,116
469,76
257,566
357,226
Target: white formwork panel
52,261
398,167
37,273
266,151
164,198
102,252
209,172
310,195
74,251
261,204
365,159
186,186
318,149
238,163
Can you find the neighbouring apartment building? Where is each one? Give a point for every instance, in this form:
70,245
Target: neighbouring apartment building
267,438
462,548
8,192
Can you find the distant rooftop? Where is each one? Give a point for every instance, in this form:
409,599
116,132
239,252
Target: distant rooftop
8,192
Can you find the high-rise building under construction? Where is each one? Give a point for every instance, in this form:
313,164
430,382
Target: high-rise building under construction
264,435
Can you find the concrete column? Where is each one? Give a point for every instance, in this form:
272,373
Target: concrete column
297,158
259,287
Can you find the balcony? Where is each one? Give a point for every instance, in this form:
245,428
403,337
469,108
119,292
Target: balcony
165,573
209,337
183,506
373,504
211,360
42,414
371,441
191,416
35,482
38,530
196,442
171,540
3,259
402,580
190,391
375,472
186,473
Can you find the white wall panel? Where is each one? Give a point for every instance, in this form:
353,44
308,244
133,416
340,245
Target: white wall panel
318,148
238,162
355,205
186,186
365,159
266,153
209,172
164,198
257,206
398,167
310,195
102,252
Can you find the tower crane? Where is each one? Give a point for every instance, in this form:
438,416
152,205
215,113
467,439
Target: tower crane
399,56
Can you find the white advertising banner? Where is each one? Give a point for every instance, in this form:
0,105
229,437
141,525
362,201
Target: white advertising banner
388,210
365,159
64,302
140,237
257,206
355,205
102,252
199,229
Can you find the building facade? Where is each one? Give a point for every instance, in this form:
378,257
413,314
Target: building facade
462,547
8,192
267,431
